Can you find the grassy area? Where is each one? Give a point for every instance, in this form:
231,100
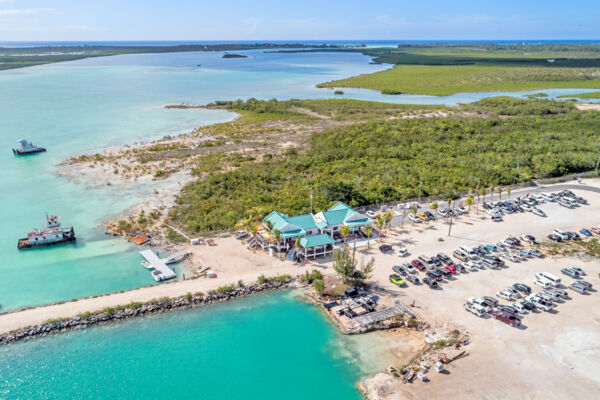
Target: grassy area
591,95
449,79
383,160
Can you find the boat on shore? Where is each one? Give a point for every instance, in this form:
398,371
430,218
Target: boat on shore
54,233
27,148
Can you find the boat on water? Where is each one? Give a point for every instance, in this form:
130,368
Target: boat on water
27,148
54,233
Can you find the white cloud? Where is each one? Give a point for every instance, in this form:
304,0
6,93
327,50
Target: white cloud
26,11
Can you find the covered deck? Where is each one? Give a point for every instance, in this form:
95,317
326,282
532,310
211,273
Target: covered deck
316,246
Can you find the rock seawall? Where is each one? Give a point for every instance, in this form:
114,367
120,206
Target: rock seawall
138,309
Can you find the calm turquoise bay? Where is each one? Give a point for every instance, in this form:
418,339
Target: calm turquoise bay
263,347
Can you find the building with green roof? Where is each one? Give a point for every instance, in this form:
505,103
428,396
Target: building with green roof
319,232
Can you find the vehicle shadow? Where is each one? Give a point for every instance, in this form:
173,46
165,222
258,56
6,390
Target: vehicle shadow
522,327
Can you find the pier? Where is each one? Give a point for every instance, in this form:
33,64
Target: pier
161,271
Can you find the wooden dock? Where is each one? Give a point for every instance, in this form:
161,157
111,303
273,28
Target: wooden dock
377,316
161,271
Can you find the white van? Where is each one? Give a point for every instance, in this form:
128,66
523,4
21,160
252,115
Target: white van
544,284
547,276
469,252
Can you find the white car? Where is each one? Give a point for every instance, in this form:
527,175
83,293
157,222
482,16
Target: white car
519,307
471,266
513,291
414,218
542,304
402,252
480,302
538,212
512,257
409,268
371,214
503,294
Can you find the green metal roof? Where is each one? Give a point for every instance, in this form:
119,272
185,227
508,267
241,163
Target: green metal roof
289,234
340,206
364,221
278,220
304,221
316,240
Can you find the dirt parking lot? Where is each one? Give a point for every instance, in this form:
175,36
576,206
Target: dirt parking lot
553,355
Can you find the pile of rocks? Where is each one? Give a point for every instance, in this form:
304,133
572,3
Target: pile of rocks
153,306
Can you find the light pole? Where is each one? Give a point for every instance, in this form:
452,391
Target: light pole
311,207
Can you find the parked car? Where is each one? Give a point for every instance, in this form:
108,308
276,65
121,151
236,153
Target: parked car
579,288
513,291
519,307
503,294
445,259
507,318
240,235
414,218
491,248
434,275
409,268
430,215
537,253
402,252
584,283
371,214
460,268
521,287
542,283
585,232
577,270
543,304
412,279
529,306
528,238
430,282
461,255
397,280
492,301
471,266
595,231
570,272
555,238
446,273
538,212
450,268
418,265
476,309
422,217
399,270
472,300
385,248
508,309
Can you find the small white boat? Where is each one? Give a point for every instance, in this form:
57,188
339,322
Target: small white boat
147,265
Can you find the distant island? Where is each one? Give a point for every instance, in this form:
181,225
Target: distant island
13,57
232,55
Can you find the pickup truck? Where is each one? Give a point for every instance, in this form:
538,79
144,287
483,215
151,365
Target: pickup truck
476,309
507,318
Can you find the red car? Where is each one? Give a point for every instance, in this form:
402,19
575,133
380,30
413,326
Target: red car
418,265
595,230
450,268
507,318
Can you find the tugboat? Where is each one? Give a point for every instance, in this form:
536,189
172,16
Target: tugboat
27,148
53,234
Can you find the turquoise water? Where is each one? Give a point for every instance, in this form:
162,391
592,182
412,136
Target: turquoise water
263,347
87,105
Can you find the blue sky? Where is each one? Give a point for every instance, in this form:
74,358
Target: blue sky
34,20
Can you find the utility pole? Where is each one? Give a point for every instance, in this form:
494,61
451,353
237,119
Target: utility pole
451,215
517,173
311,207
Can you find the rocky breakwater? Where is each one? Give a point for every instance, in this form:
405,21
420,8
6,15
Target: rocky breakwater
131,310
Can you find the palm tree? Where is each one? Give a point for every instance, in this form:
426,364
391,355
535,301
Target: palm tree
499,190
449,200
483,193
268,225
469,202
414,210
277,236
508,190
387,218
379,223
477,205
368,232
492,187
344,231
